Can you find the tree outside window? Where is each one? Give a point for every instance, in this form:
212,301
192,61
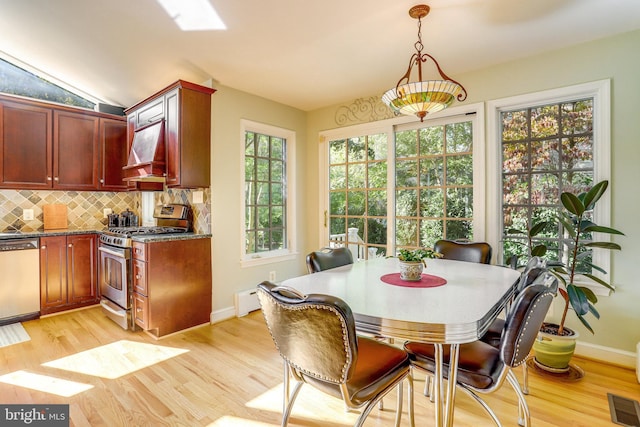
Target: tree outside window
546,150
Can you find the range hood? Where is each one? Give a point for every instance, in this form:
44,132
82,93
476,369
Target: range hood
147,156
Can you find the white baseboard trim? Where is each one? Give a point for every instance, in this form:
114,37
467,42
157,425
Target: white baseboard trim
223,314
614,356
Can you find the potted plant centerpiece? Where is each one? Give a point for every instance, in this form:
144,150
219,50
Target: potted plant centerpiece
412,262
556,343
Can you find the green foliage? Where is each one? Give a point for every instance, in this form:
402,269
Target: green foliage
577,225
417,255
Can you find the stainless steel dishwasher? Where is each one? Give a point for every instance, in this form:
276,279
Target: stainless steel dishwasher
19,280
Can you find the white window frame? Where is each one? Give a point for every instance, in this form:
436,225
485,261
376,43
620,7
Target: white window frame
290,252
474,113
600,91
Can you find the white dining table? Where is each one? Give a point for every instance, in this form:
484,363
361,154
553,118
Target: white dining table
458,312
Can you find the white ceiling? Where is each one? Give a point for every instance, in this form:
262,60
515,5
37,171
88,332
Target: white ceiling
306,54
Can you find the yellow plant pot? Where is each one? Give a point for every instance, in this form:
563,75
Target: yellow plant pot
554,352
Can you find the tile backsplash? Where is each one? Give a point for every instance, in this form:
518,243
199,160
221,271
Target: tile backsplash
85,210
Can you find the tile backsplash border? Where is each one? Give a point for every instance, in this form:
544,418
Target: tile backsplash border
85,209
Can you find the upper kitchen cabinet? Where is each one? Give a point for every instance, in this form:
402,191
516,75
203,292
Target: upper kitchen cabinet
75,151
51,146
180,154
113,154
25,145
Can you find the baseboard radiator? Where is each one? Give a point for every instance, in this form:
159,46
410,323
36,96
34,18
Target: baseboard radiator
246,302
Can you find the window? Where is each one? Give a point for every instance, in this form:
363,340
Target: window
393,184
18,81
545,150
268,217
547,143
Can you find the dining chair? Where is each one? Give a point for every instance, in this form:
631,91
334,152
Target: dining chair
316,338
463,250
483,368
327,258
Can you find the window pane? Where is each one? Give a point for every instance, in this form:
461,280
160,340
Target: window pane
337,202
460,202
432,203
431,141
406,202
406,173
337,151
431,172
460,170
377,203
459,137
515,157
356,175
356,150
337,177
356,203
406,232
406,143
377,175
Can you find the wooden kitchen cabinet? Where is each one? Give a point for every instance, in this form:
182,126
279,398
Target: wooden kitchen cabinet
186,110
171,285
113,154
55,147
68,272
75,151
26,134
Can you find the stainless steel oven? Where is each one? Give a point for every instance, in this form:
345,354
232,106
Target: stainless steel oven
115,282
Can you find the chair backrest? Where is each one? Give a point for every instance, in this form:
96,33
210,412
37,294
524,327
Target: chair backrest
314,333
479,252
534,268
327,258
525,319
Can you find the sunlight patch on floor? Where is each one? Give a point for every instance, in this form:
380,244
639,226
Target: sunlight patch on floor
45,383
231,421
116,359
311,404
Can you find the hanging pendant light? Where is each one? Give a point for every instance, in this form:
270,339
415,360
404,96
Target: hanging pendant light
422,97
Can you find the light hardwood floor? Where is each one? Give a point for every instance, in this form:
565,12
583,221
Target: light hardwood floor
229,374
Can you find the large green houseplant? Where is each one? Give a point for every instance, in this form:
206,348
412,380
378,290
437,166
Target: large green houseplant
578,228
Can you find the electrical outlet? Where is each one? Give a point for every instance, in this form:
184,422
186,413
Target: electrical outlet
197,197
106,212
27,214
272,276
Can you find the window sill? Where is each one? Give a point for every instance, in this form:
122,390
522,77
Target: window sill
597,288
266,258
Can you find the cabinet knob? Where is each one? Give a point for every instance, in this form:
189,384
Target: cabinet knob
56,179
102,181
48,178
43,247
138,276
70,245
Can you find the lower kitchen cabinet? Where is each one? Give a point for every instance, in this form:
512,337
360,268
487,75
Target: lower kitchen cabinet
68,272
171,284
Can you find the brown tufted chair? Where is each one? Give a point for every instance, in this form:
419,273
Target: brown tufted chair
479,252
483,368
327,258
315,335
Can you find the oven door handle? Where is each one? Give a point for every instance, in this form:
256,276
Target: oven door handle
111,310
112,252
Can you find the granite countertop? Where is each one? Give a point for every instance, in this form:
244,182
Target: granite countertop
4,235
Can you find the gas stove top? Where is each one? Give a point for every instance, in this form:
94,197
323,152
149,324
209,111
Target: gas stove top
132,231
171,219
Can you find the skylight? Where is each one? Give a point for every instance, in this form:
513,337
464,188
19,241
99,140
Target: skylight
193,15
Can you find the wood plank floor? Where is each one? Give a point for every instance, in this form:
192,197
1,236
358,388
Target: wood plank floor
230,374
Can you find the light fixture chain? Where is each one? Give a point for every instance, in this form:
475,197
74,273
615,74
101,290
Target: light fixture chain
419,46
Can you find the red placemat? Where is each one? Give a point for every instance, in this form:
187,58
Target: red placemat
427,281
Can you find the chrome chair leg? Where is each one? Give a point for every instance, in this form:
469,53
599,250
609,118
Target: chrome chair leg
524,416
525,376
482,403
